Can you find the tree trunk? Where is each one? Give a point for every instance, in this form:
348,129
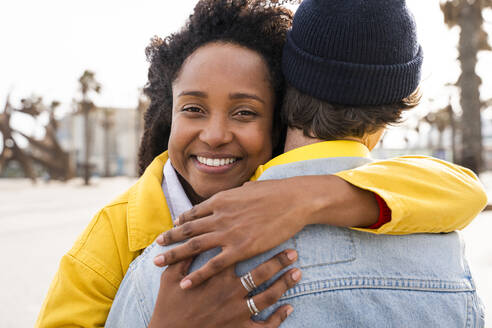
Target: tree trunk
24,162
107,149
470,22
452,123
87,137
16,153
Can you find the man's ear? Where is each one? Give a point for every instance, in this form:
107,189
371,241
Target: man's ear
371,140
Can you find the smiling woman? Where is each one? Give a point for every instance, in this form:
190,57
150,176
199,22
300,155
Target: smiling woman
215,89
222,119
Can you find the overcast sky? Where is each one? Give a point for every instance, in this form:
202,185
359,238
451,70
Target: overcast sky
46,45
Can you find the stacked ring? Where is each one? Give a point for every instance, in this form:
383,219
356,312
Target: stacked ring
252,306
248,283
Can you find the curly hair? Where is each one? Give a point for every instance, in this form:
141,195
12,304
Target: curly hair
257,25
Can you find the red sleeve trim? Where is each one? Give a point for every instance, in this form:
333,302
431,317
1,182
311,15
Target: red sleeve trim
384,213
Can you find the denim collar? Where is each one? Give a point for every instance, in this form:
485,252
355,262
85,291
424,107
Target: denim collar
325,149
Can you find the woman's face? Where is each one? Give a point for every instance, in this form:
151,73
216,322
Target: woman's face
221,128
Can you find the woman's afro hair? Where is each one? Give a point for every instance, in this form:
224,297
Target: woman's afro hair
257,25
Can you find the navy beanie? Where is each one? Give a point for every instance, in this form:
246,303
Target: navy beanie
353,52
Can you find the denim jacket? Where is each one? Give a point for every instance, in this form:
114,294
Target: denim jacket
349,278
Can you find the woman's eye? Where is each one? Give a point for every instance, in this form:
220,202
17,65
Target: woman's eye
246,113
192,109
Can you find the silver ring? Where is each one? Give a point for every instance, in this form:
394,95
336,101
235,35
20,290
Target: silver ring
245,284
248,283
249,277
252,306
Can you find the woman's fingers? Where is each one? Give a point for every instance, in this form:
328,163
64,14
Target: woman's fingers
267,270
276,319
215,265
196,212
277,289
226,258
177,271
192,247
185,231
271,296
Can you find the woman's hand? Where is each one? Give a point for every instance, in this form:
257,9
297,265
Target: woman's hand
259,216
222,300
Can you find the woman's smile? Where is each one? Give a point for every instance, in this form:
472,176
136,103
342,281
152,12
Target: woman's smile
215,164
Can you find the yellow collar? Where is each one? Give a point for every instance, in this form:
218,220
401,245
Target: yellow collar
337,148
147,213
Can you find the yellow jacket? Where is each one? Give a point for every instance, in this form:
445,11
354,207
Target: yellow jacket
85,285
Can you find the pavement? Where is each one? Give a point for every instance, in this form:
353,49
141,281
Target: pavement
39,223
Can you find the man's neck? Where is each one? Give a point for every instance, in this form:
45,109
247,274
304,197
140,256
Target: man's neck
295,138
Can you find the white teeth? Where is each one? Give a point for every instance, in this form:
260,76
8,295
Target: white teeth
215,161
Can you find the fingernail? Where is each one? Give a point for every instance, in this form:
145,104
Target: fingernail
159,260
296,275
289,311
176,222
291,255
160,239
185,284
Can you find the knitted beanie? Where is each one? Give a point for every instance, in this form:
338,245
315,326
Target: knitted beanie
353,52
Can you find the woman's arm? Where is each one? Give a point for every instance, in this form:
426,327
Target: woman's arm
424,195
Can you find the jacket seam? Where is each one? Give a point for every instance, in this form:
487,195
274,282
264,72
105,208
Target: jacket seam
324,290
116,246
468,311
123,202
92,269
83,241
80,250
361,283
141,300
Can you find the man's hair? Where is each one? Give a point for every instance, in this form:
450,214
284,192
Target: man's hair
322,120
254,24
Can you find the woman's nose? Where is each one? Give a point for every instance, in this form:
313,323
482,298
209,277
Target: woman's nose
216,133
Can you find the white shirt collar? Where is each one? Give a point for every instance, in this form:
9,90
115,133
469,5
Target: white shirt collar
177,200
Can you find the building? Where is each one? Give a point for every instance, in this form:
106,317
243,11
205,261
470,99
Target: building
114,139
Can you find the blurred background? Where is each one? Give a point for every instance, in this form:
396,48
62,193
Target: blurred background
71,75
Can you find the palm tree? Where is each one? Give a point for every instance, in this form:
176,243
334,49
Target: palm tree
88,83
107,124
440,120
467,14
